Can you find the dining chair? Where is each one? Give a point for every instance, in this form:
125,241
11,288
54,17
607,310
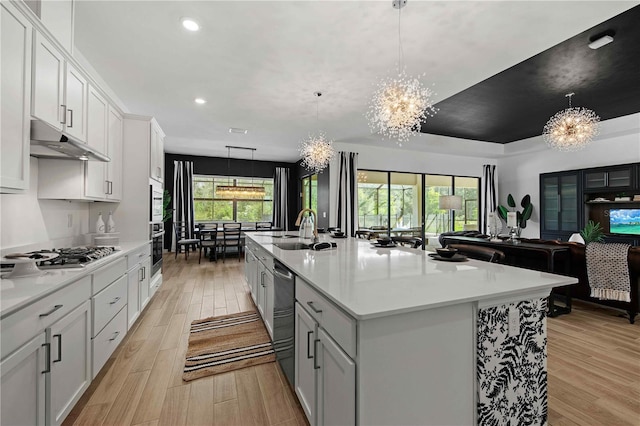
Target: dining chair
263,226
184,239
486,254
231,239
209,240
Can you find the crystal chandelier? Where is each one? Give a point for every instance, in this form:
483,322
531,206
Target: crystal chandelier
317,151
400,104
571,129
238,191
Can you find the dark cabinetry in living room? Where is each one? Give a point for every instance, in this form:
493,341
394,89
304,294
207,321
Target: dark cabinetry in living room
571,198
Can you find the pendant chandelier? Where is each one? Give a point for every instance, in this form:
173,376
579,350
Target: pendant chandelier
238,191
402,103
317,151
571,129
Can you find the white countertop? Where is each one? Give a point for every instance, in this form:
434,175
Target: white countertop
369,282
19,292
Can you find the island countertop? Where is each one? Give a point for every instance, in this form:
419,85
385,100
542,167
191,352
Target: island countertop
369,282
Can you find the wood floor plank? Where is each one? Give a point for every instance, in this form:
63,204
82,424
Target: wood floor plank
227,413
124,406
252,411
147,354
275,402
174,331
224,387
93,415
150,405
192,314
151,423
177,369
201,402
207,307
175,406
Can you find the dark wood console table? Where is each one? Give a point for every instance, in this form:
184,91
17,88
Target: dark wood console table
541,257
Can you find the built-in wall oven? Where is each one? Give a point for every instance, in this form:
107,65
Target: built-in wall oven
157,234
156,192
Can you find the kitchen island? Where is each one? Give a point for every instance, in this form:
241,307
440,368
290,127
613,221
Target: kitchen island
392,336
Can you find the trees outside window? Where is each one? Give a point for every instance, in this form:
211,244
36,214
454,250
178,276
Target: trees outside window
209,207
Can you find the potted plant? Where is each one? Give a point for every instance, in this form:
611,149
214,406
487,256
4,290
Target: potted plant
167,213
592,232
521,217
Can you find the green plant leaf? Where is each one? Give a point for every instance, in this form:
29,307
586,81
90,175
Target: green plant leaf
526,201
592,232
502,211
526,213
510,201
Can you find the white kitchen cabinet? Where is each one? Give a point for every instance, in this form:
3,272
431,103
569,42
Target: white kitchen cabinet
76,103
305,373
251,272
23,381
156,169
70,340
325,376
47,96
265,291
96,186
336,383
139,264
154,282
147,288
15,98
58,16
114,151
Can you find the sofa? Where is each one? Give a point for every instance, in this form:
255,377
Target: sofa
574,264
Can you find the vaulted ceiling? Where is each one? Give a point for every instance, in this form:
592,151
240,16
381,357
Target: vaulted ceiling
257,63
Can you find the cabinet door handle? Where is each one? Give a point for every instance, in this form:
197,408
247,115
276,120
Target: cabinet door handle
59,336
262,279
114,301
309,333
63,114
315,354
48,355
70,118
159,172
316,310
55,308
115,336
144,272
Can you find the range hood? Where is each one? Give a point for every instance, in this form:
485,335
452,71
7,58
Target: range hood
49,142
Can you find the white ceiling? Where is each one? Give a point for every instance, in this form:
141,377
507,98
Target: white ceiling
259,62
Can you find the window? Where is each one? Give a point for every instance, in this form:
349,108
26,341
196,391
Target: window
310,192
208,207
396,198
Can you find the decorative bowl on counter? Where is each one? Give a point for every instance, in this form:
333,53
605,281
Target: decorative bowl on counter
446,251
384,241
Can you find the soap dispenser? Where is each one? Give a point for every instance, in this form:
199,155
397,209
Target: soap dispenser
306,227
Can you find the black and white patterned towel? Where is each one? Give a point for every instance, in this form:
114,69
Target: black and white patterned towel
608,271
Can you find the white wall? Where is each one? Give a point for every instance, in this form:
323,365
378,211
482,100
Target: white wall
28,223
519,170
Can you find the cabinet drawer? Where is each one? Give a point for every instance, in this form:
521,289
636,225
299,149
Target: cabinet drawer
108,303
138,255
264,257
340,326
108,340
21,326
108,274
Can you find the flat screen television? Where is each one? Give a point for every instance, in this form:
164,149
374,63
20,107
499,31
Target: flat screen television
624,221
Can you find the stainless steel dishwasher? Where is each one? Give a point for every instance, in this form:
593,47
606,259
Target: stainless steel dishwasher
284,319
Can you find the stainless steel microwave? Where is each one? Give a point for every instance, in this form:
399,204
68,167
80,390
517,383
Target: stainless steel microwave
156,203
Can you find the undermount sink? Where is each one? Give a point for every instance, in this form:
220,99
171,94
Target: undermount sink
292,246
285,236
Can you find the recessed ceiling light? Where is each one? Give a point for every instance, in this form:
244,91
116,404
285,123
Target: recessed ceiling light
190,24
200,101
236,130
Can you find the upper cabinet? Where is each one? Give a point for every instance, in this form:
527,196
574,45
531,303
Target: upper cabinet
615,178
15,95
114,151
97,185
156,170
58,16
59,94
560,196
47,101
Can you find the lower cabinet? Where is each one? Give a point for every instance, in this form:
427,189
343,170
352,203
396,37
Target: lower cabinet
325,377
265,293
70,358
24,373
251,272
138,289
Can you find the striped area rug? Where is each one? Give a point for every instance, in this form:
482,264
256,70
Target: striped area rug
226,343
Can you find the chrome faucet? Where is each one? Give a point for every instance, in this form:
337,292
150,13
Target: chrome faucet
315,222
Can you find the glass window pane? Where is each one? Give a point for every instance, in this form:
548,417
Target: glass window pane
203,210
372,199
222,210
436,220
305,192
467,218
405,201
314,192
250,211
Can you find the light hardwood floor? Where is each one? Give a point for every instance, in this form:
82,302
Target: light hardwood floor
594,364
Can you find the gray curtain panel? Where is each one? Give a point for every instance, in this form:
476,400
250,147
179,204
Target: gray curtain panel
183,196
348,192
489,199
280,197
